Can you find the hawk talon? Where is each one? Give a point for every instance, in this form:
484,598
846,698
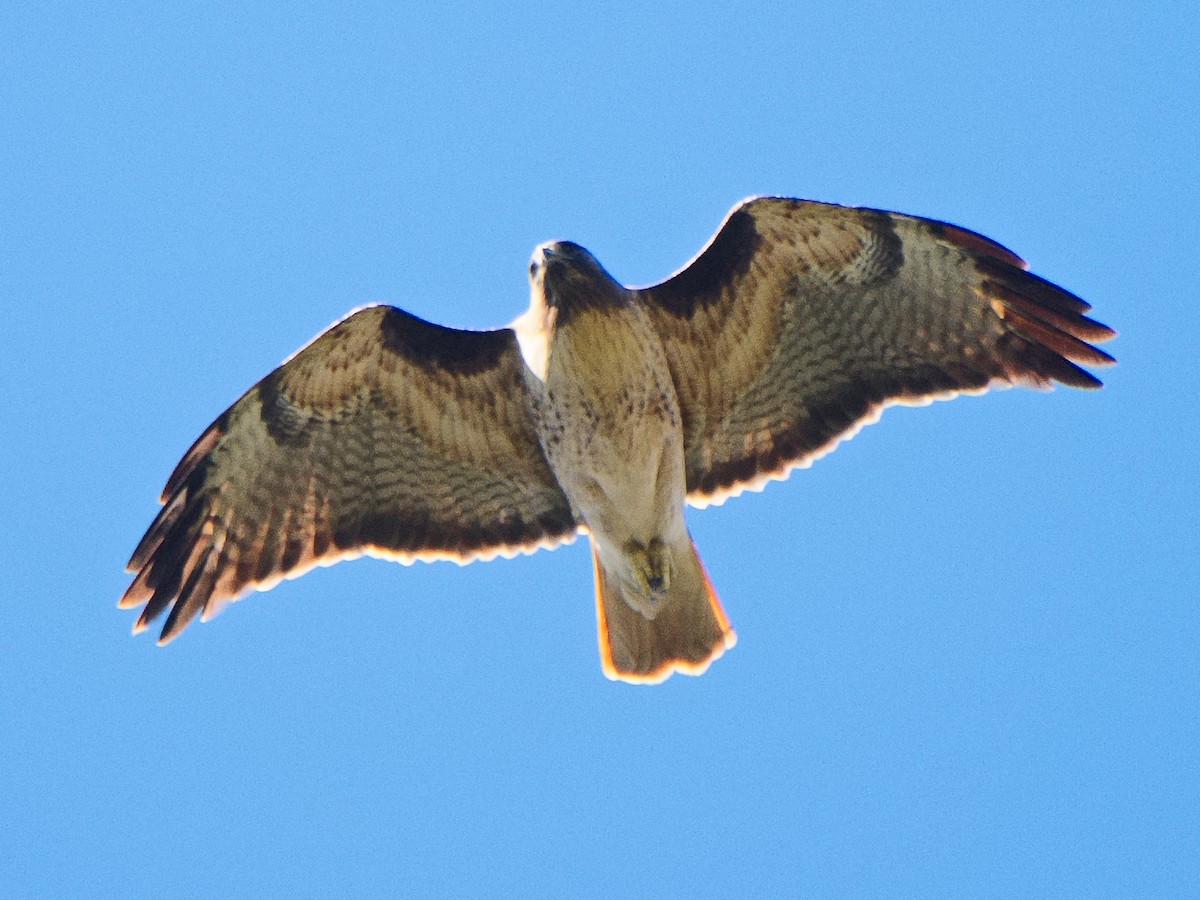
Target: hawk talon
652,568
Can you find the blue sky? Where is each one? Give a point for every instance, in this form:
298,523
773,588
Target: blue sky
967,658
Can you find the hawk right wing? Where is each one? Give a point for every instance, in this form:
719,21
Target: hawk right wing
386,435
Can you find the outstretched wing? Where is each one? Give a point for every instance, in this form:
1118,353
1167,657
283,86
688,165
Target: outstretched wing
800,321
386,435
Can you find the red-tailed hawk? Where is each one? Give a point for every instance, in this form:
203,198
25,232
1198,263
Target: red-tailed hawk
603,409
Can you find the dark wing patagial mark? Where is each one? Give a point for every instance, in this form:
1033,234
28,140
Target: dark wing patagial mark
726,258
386,435
802,323
437,348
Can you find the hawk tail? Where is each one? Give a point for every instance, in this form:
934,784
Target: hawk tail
686,635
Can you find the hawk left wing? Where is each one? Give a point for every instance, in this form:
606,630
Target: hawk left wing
386,435
800,321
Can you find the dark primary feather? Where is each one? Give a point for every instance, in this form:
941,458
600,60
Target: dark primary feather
386,435
821,315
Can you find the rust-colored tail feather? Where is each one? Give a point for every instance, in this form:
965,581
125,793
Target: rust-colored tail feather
686,636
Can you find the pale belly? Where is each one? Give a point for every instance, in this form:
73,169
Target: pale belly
612,431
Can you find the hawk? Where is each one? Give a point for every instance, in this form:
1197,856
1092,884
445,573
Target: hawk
602,410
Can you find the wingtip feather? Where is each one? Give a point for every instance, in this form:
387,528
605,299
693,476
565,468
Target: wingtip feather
200,448
1056,339
977,244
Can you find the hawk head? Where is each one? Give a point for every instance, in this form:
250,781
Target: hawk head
568,278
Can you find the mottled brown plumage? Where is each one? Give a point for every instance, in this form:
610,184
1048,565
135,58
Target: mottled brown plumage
822,315
386,435
602,409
